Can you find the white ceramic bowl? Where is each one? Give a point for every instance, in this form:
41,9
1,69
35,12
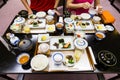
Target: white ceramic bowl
80,43
109,28
58,57
92,12
51,12
41,14
49,18
23,58
85,16
43,47
39,62
99,35
96,19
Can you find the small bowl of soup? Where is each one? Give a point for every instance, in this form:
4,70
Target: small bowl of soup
23,58
59,25
99,35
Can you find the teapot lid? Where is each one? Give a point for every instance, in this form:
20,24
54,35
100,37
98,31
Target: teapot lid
25,43
107,58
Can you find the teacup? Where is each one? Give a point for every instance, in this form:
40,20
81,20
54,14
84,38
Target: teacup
92,12
59,25
96,19
51,12
99,35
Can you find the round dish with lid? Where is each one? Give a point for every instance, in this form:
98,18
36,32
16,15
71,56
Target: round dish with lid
80,43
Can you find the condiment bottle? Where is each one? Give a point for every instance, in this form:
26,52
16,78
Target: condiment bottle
14,39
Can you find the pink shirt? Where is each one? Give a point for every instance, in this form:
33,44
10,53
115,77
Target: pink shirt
80,10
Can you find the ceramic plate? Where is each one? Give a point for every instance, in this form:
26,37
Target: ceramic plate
61,43
109,28
39,62
68,20
100,27
41,14
83,25
43,38
85,16
50,28
41,23
69,60
80,43
19,20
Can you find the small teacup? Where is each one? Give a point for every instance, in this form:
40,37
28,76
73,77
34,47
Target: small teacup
51,12
59,25
99,35
92,12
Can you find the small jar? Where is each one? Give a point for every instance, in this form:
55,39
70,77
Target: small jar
14,40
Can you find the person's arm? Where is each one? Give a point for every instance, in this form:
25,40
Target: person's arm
97,2
56,3
71,5
98,6
55,7
25,3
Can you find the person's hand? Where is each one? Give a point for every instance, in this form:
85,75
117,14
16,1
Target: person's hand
86,5
99,9
30,12
57,12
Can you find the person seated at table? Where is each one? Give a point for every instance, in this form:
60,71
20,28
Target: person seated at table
82,6
41,5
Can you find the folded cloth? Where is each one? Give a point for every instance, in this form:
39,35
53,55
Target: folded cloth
107,17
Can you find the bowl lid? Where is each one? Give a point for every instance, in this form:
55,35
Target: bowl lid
80,43
25,43
107,58
68,20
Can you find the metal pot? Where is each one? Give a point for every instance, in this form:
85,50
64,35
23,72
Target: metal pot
106,59
25,45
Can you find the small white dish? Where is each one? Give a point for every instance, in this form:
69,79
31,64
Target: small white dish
41,14
79,34
92,12
43,38
85,16
100,27
51,12
39,62
43,47
109,28
96,19
19,20
68,20
50,28
69,60
80,43
49,17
